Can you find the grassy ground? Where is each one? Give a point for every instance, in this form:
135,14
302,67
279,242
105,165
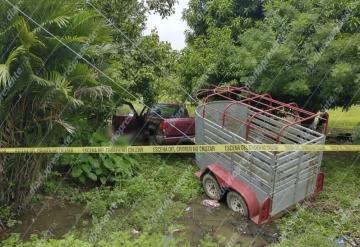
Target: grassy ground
344,120
151,202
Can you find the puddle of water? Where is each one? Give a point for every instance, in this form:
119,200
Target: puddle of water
200,221
49,219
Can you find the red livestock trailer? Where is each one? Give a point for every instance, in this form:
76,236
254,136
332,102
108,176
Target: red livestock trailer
258,184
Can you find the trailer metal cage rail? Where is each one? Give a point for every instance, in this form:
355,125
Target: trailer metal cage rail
264,104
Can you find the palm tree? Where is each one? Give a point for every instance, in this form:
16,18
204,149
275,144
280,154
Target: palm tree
44,86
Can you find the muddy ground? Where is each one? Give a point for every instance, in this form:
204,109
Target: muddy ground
55,220
199,221
48,219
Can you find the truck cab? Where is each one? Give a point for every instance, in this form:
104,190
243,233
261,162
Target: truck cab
162,123
169,124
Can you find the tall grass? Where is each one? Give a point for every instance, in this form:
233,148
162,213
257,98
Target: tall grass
344,120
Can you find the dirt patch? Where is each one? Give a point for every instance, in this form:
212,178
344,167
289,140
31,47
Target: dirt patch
327,207
200,221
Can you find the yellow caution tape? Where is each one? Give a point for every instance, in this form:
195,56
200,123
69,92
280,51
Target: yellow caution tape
218,148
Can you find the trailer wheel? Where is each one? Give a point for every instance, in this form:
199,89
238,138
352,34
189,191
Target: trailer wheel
211,187
236,203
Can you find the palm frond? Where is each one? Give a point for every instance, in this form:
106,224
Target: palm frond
60,21
82,73
41,81
68,127
61,84
4,75
103,34
100,50
68,39
75,102
7,30
36,61
82,17
27,37
14,54
72,39
5,68
97,92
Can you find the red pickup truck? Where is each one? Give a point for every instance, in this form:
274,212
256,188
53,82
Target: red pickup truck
161,124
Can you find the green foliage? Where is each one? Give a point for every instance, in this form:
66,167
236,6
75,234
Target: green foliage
210,241
357,135
142,65
5,213
130,16
49,92
100,200
150,188
125,239
103,168
49,87
307,239
203,15
69,241
301,51
64,191
145,239
151,70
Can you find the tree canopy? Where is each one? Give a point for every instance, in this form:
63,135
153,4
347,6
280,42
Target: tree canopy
301,51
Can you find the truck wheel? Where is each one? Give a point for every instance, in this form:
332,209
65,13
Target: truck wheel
236,203
211,187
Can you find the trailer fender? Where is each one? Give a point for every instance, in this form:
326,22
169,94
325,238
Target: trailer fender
319,182
227,180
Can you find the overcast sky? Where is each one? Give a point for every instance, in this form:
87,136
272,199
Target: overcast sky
172,28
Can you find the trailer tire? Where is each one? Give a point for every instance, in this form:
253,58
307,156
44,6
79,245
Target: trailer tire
236,203
211,187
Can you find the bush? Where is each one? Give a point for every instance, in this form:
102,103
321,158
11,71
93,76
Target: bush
101,168
154,198
69,241
101,199
4,213
5,216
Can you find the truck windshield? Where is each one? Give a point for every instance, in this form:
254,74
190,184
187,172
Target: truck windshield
169,111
